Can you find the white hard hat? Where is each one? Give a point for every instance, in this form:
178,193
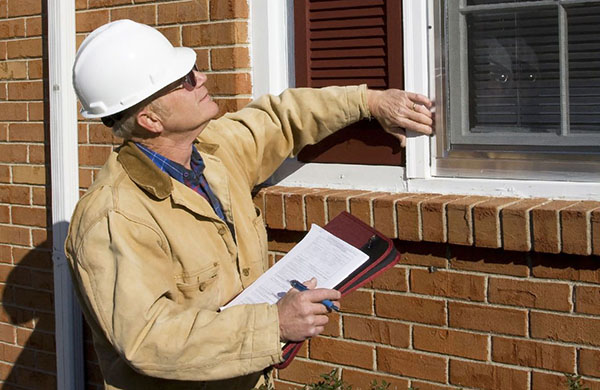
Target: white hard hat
122,63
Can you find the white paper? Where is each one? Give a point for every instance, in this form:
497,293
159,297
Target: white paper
320,254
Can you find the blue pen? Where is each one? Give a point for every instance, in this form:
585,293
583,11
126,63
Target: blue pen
301,287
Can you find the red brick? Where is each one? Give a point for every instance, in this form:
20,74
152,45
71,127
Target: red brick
100,134
229,58
29,216
108,3
342,352
26,132
29,174
569,267
229,83
13,153
576,230
408,212
274,215
189,11
488,319
293,199
487,376
364,380
527,293
227,33
423,253
24,48
412,364
35,300
315,207
361,206
10,111
33,258
228,9
587,299
448,284
4,132
31,379
7,333
595,222
4,174
36,111
378,331
35,69
451,342
384,214
41,238
358,302
486,222
4,215
145,14
534,354
13,70
303,371
202,61
545,381
40,197
337,202
15,235
227,104
394,279
460,219
546,226
12,28
37,154
15,194
589,362
489,261
90,20
433,213
93,155
573,329
407,308
24,7
516,231
334,326
33,27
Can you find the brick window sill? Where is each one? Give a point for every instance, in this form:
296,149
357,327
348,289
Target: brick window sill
516,224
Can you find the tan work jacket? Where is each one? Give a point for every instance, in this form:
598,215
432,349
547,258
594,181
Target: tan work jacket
152,262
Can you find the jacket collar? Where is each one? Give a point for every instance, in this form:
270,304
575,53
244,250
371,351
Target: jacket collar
145,173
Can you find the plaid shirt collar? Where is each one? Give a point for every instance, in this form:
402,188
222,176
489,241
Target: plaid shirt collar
171,168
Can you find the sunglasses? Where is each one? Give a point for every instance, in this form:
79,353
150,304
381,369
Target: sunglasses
188,82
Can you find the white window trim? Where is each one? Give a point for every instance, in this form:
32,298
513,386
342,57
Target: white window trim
272,63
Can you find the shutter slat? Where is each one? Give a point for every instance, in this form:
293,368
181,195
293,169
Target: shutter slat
349,13
325,5
332,44
347,23
348,33
349,53
342,63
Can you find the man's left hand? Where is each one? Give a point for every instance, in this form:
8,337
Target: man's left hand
398,111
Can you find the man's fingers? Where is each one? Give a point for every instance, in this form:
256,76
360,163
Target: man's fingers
419,99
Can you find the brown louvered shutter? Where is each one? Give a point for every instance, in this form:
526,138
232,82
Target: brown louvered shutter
348,42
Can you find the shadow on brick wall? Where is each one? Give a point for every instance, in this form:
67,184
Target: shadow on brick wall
28,305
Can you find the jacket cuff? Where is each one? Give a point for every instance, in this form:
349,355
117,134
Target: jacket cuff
266,337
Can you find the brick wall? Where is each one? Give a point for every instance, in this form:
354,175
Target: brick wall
27,356
491,293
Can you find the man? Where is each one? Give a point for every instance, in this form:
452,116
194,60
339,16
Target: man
168,232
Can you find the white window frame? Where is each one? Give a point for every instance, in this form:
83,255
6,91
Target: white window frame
272,67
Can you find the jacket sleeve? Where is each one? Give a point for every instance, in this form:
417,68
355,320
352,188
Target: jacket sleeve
121,266
272,128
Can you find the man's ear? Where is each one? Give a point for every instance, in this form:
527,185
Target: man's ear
150,121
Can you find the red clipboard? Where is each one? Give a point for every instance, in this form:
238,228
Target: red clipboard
382,256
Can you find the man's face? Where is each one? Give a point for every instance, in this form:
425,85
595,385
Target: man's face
187,108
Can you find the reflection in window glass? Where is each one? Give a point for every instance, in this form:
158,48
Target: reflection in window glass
584,69
514,71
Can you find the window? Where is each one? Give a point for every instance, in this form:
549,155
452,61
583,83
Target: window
520,89
349,42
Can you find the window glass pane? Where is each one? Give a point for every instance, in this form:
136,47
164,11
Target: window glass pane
584,69
514,75
482,2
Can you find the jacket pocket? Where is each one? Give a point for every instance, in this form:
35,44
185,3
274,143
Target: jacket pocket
192,285
261,233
